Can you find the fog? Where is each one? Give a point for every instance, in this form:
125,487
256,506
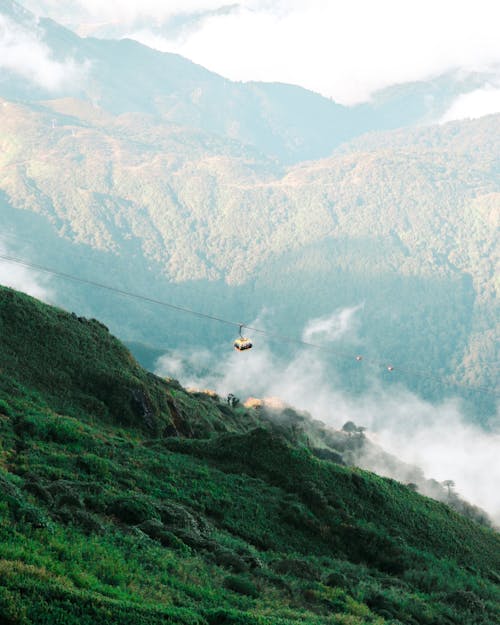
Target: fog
435,437
343,50
23,52
477,103
22,278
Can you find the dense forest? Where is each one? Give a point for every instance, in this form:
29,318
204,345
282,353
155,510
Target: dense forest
190,218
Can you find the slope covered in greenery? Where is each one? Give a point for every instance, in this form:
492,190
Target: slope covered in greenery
149,504
403,225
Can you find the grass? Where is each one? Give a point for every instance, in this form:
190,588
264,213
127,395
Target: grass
214,516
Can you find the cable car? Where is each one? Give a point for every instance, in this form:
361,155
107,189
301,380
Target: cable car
242,342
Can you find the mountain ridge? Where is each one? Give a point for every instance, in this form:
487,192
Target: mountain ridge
284,121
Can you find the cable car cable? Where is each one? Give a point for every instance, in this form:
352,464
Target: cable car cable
491,365
239,325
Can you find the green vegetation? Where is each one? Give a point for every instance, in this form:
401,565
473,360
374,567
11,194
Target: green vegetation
401,224
201,513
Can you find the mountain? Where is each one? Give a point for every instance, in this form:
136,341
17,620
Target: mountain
283,121
125,498
179,185
403,224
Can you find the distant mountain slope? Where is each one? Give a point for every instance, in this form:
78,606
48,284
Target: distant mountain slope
282,121
174,175
404,223
207,519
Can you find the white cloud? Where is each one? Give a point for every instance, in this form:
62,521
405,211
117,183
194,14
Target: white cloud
331,327
344,50
475,104
436,438
23,279
444,445
23,53
119,11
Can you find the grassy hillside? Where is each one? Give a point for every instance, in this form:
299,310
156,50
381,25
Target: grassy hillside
201,513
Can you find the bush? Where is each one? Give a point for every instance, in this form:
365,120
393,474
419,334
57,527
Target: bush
297,568
229,559
32,515
241,585
90,523
5,408
132,510
336,579
230,617
465,600
12,609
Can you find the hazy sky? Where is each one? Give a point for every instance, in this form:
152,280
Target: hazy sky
345,50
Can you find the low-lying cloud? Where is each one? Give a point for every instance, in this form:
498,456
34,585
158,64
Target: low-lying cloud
346,50
477,103
436,438
23,278
24,53
331,327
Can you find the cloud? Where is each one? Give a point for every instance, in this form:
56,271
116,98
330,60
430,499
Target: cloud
344,50
347,51
23,279
125,12
25,54
441,442
436,438
331,327
477,103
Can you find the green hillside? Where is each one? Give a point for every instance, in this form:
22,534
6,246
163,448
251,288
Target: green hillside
126,499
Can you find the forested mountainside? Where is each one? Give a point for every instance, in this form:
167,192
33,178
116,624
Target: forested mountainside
125,498
404,225
177,184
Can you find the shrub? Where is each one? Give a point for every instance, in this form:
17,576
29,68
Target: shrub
336,579
465,600
89,522
230,617
229,559
5,408
12,609
132,509
241,585
32,515
297,568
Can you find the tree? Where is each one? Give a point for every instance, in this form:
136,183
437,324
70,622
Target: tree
232,400
351,428
449,484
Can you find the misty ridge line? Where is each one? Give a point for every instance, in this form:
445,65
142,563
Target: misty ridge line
19,43
203,31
